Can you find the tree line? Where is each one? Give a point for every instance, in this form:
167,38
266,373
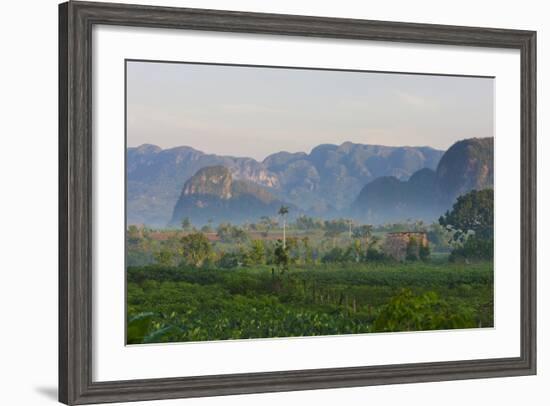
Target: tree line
465,231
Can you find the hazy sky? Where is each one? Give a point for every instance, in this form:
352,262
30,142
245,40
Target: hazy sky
247,111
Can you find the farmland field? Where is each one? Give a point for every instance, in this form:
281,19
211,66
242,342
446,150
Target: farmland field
185,303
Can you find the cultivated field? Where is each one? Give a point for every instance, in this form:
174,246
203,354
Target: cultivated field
185,304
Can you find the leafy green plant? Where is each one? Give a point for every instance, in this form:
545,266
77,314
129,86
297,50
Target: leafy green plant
412,250
409,312
196,248
472,212
282,258
424,252
474,248
138,327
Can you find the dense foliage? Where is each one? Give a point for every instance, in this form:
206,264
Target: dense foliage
474,248
471,224
472,212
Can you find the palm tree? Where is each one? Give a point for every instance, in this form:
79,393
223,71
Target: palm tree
283,211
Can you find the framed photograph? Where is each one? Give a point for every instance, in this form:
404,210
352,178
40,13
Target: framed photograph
258,202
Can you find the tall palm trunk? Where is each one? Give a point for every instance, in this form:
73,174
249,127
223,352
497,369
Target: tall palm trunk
283,211
284,232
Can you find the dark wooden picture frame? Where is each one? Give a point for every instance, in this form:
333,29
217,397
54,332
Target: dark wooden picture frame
76,20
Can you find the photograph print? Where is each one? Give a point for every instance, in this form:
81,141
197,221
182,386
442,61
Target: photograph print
269,202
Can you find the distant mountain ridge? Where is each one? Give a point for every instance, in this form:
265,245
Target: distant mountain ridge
466,165
328,179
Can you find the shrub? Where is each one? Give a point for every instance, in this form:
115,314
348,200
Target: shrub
281,256
196,249
409,312
474,248
229,260
336,254
375,255
424,252
412,250
257,252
